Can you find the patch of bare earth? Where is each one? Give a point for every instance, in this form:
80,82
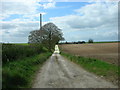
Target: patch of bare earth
104,51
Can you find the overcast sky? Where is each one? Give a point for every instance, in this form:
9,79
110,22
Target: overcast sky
78,20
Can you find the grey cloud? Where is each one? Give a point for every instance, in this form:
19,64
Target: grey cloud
84,23
94,16
29,24
16,8
8,26
15,32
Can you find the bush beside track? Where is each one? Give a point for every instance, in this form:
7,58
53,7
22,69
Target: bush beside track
20,63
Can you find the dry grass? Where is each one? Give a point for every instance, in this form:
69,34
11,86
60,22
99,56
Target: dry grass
103,51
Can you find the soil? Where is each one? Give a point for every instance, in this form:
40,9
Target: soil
104,51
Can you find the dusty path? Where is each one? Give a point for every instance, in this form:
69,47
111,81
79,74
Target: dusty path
58,72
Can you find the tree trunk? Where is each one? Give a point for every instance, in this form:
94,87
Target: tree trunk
49,42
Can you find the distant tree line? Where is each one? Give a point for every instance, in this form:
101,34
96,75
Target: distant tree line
78,42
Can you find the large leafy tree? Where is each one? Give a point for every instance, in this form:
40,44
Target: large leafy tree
48,35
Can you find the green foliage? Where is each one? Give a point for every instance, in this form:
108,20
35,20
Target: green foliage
20,63
48,35
20,73
90,41
12,52
52,35
21,43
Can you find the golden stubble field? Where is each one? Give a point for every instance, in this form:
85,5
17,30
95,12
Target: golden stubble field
103,51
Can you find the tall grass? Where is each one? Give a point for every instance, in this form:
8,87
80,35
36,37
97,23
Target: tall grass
19,74
12,52
20,62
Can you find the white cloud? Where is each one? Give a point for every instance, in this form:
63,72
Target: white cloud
59,0
97,17
26,8
17,30
21,8
93,15
48,5
97,20
27,0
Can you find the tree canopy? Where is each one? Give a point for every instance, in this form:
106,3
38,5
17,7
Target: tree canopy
49,35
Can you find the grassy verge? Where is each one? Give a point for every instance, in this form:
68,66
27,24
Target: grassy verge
100,68
21,43
19,74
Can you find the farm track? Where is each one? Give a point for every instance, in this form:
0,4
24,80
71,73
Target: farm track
58,72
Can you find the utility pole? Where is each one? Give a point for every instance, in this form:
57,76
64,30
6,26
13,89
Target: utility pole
40,21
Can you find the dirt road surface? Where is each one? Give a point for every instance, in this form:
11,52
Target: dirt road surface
58,72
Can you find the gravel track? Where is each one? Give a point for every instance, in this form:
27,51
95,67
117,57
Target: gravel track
58,72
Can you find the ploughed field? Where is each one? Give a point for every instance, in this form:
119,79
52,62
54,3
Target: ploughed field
102,51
